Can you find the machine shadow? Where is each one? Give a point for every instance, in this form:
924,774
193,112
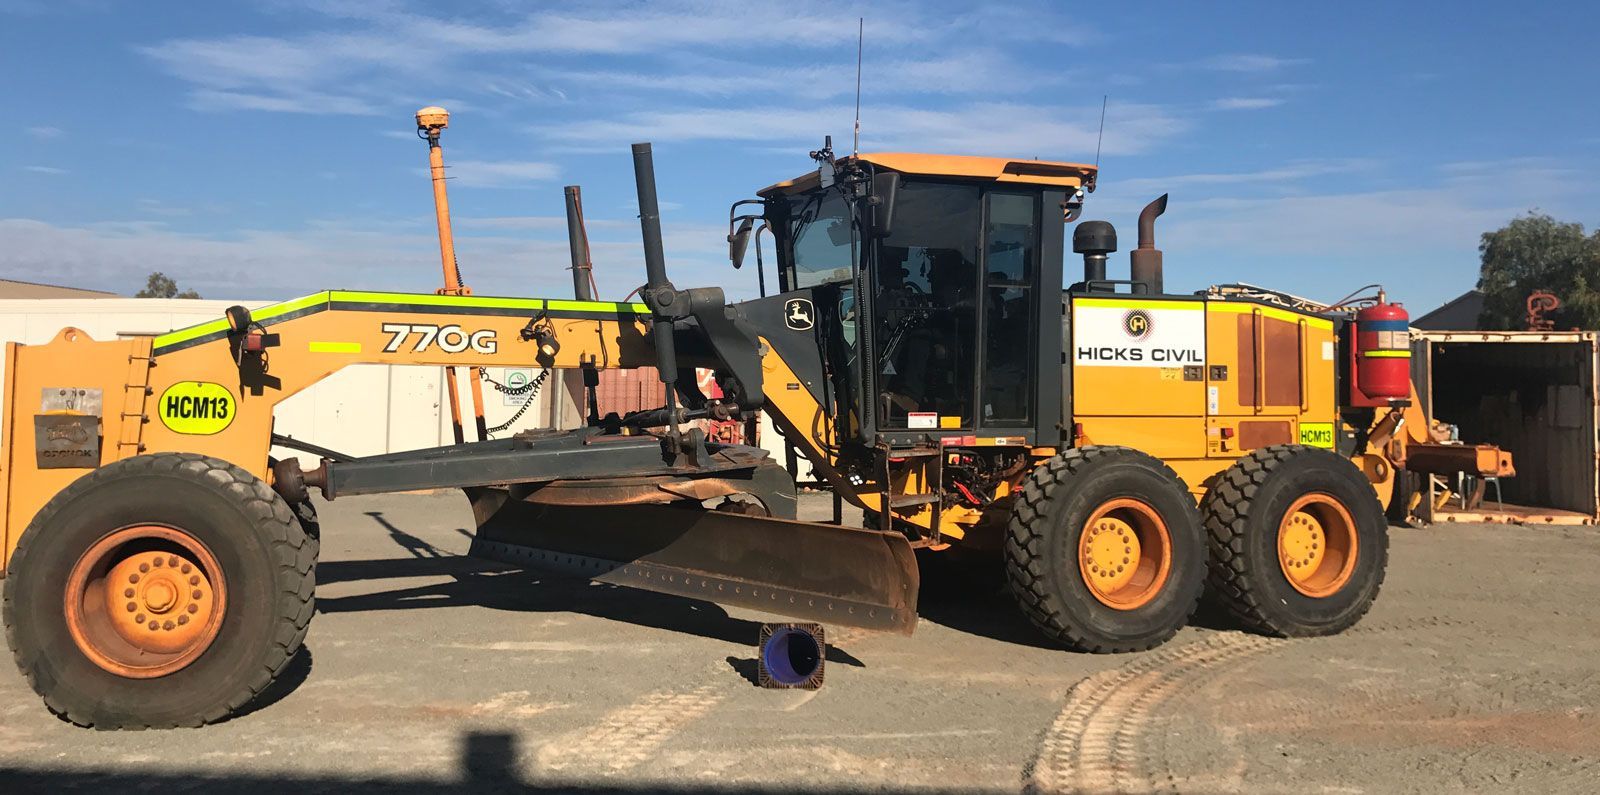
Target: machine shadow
966,593
500,587
969,595
488,762
294,674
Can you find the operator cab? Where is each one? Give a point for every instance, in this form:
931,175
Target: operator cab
961,257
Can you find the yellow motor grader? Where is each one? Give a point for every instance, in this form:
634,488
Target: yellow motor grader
1120,446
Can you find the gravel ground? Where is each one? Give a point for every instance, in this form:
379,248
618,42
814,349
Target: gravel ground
1475,671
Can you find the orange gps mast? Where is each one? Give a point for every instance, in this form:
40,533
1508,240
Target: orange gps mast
430,122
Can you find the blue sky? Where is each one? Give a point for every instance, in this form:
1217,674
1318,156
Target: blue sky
266,151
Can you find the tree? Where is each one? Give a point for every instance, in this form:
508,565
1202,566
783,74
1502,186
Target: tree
160,285
1537,252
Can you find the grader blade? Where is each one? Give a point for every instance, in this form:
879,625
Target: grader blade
836,575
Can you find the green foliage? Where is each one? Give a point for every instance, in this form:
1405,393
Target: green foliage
160,285
1537,252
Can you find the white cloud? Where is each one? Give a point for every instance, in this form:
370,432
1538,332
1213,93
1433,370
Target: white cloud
45,170
1245,103
1294,171
991,128
980,70
45,132
369,254
286,101
498,173
1248,62
374,57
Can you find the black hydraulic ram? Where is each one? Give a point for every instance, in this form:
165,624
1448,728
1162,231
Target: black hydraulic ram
659,294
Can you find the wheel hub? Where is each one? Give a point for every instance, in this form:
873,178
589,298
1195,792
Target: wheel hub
1302,545
1124,554
1112,554
166,601
1317,545
145,601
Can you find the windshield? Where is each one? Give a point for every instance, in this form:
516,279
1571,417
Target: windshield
821,235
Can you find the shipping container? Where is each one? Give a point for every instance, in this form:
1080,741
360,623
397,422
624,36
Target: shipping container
1532,393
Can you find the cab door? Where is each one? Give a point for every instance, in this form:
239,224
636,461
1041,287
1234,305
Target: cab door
955,327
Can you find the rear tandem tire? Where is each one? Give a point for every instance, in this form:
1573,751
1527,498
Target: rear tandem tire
264,580
1054,549
1250,527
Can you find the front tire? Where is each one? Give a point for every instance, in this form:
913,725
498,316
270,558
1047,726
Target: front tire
1298,541
1104,550
161,538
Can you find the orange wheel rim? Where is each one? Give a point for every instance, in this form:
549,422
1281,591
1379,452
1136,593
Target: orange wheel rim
1317,545
145,601
1125,554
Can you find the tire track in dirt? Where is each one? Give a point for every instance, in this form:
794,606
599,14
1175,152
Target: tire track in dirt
1096,743
625,738
630,736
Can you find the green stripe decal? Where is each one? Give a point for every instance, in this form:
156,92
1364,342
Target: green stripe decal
219,326
399,301
424,299
597,306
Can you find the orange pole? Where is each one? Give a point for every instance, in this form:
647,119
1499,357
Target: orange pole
441,209
431,121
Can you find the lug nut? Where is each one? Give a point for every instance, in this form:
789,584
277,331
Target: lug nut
132,607
138,619
194,579
173,561
186,568
194,608
128,592
195,593
159,562
143,567
183,619
133,578
168,626
154,625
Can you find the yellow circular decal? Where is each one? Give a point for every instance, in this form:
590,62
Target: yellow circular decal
200,408
1136,323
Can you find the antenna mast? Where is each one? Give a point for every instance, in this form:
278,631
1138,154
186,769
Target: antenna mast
1101,136
861,35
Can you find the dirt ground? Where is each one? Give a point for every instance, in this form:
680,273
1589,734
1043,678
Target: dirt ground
1477,670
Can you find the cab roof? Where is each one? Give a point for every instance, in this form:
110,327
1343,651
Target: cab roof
994,169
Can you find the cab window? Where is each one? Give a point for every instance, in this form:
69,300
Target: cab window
821,233
926,315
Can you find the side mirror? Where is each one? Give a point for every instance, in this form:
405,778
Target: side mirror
885,189
739,241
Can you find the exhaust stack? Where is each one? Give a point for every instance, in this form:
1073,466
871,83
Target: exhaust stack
1145,261
578,244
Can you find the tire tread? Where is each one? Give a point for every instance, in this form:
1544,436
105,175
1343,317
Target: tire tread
293,549
1025,544
1227,513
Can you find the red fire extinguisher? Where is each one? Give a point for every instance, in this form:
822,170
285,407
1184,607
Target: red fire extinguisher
1383,352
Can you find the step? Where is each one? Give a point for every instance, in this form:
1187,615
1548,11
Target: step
908,500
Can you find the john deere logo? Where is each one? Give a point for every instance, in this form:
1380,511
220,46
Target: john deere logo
799,314
1137,324
199,408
